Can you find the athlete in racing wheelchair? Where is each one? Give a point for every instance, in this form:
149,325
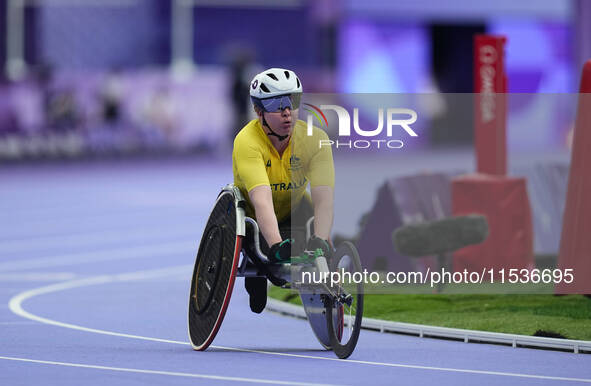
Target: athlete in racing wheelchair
274,160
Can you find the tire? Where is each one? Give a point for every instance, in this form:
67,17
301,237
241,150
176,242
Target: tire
214,272
344,320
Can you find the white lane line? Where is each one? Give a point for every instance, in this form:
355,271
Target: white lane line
72,219
159,372
78,239
446,369
37,276
135,252
130,201
15,305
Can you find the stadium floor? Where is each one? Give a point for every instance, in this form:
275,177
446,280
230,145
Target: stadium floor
95,263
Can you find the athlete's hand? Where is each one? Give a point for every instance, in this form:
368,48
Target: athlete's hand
281,252
317,243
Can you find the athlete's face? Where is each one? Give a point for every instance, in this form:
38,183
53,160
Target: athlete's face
282,122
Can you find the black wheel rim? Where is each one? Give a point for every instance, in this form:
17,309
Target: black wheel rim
345,313
213,273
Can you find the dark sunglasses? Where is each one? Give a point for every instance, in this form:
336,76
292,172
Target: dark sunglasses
280,102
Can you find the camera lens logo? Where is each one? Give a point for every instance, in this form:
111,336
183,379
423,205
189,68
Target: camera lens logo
389,120
315,111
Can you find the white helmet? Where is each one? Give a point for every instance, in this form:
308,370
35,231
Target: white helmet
274,82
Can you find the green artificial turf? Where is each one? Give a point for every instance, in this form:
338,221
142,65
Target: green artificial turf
543,315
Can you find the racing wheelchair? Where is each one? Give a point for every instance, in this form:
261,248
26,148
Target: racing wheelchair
333,302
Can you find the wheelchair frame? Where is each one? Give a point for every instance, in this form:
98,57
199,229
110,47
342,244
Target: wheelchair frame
319,300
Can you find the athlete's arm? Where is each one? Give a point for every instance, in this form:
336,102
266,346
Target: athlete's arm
323,199
262,200
250,167
321,175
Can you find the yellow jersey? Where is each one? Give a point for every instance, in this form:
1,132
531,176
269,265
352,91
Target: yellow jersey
256,162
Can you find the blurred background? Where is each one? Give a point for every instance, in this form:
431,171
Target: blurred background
117,119
118,79
90,78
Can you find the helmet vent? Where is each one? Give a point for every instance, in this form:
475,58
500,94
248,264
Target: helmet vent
286,74
264,87
298,82
272,76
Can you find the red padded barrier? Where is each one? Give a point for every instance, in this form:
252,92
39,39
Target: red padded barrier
504,201
575,242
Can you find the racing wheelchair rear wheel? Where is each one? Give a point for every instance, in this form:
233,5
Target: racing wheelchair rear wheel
344,310
215,269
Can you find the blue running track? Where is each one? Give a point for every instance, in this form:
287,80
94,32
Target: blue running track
95,265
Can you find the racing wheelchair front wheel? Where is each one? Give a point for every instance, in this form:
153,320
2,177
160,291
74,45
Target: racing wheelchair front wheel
344,308
215,271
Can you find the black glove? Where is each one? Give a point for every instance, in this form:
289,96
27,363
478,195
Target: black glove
317,243
281,252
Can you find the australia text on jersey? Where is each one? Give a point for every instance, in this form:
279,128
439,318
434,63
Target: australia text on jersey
288,186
